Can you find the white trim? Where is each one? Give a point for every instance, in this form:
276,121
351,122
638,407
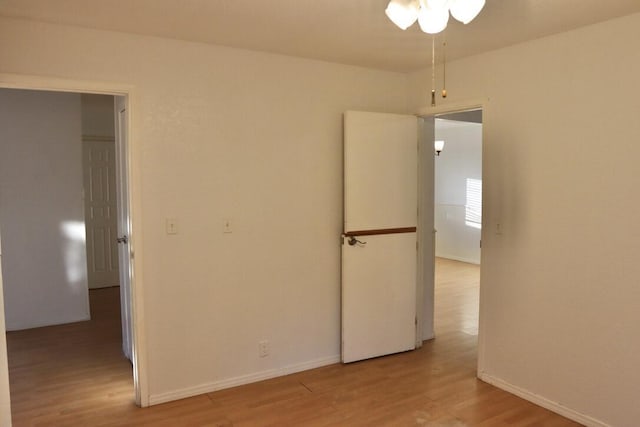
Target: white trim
31,82
23,325
458,258
431,335
454,107
241,380
425,215
5,398
98,138
543,401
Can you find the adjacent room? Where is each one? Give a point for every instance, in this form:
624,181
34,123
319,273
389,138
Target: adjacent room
60,269
458,220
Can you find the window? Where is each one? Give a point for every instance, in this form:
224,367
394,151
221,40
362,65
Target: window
473,208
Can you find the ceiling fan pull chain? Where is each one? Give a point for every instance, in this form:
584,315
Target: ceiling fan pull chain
444,68
433,71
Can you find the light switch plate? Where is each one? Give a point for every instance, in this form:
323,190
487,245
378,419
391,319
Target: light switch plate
172,226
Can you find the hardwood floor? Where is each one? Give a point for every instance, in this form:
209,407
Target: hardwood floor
57,371
75,375
457,297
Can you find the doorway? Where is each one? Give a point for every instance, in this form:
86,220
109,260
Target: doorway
72,245
457,221
427,259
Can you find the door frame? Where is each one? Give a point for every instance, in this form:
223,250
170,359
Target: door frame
425,190
426,243
28,82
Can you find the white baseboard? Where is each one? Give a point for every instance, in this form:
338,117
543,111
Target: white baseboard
56,322
459,258
241,380
543,401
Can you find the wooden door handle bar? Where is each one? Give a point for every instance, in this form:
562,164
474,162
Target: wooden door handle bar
379,231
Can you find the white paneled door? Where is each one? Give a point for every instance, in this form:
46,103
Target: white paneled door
379,256
99,169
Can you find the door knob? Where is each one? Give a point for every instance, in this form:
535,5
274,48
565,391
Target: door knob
353,241
123,239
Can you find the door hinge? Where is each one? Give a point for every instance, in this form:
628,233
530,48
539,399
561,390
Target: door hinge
415,321
416,245
481,243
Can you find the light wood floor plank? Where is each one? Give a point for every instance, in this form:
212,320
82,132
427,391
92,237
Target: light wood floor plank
75,375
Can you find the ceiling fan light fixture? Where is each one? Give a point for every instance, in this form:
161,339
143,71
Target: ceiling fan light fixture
403,13
435,4
465,10
433,20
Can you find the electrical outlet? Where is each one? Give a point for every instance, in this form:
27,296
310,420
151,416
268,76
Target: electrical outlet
264,348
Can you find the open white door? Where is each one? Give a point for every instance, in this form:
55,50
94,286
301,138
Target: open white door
123,239
379,239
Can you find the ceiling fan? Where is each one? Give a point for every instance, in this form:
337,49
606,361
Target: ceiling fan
432,15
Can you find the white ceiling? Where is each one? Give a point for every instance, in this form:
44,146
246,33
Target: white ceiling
353,32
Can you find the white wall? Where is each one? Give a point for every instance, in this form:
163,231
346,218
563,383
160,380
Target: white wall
560,301
44,265
97,115
225,133
460,160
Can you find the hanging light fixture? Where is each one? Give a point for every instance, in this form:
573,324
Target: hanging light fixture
438,146
432,20
403,13
465,10
432,15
